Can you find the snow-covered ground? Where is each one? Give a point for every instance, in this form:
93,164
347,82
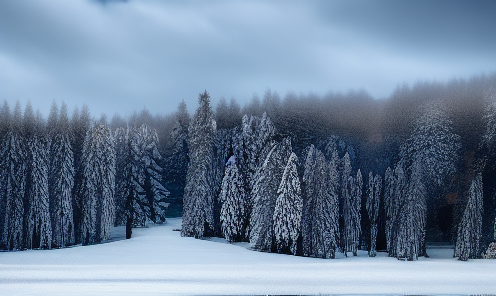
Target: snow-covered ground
157,260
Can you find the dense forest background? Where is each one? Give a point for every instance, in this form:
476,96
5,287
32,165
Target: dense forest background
78,176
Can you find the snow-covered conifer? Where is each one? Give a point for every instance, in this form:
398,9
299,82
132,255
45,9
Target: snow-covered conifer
80,125
40,232
97,207
199,196
13,164
61,183
351,192
267,181
373,200
410,235
233,214
288,210
320,229
470,228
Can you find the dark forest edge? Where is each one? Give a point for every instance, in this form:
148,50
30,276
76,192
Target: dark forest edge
303,175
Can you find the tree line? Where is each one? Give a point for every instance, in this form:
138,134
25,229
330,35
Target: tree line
303,175
69,181
292,185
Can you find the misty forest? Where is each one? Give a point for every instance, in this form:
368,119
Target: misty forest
306,175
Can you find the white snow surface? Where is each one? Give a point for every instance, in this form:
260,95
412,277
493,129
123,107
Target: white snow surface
158,261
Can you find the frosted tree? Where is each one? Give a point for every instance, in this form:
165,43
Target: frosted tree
144,143
410,239
470,229
199,196
28,130
233,214
351,193
489,137
396,188
40,230
257,134
61,183
13,187
122,161
320,221
288,209
267,181
80,125
97,206
373,199
433,144
177,163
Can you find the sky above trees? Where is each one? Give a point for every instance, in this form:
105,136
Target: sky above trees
121,56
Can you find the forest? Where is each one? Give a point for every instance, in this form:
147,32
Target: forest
306,175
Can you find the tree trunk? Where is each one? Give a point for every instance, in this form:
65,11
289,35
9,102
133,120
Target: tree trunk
129,227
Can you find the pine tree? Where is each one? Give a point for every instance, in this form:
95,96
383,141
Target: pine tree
321,205
122,161
373,200
199,195
62,183
433,144
177,163
97,207
40,235
470,228
351,193
13,158
80,125
28,133
288,209
233,215
267,181
410,239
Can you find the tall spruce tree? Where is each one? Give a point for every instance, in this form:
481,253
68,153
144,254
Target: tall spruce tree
199,196
410,239
97,207
233,214
288,209
13,163
267,181
80,125
62,183
320,205
351,192
470,229
373,200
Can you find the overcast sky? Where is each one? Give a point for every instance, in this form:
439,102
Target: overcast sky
121,56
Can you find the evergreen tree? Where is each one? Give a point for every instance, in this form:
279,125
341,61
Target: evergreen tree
28,131
122,161
97,207
13,164
199,195
373,200
80,125
40,230
321,205
410,239
233,215
62,183
267,181
470,228
288,209
351,193
177,163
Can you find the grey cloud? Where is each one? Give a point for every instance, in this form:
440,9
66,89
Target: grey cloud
129,55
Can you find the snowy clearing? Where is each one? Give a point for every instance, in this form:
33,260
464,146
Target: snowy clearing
157,260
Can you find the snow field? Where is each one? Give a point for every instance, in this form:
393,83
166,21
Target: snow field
158,261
